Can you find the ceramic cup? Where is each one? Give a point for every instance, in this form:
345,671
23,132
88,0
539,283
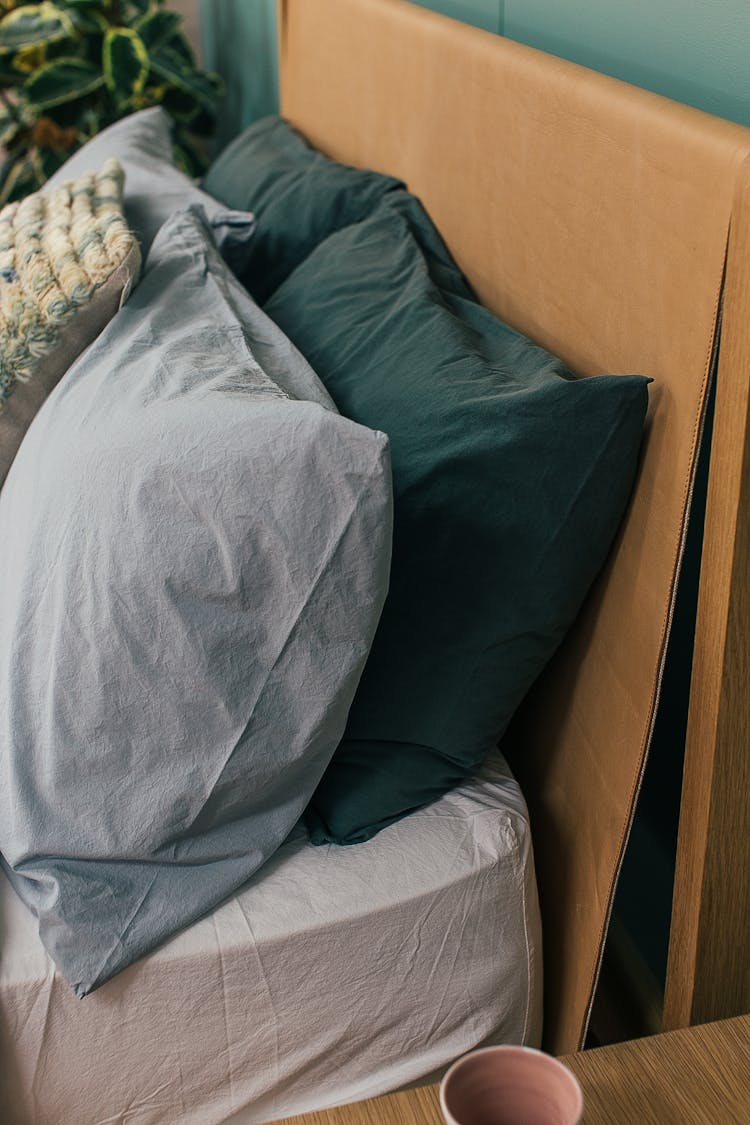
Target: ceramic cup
510,1086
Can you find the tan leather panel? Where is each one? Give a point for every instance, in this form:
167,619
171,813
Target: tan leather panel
709,954
593,217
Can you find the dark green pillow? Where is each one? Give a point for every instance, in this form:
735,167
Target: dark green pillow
298,197
510,479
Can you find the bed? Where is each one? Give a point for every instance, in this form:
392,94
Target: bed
611,226
322,956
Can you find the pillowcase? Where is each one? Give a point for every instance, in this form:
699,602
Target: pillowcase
154,186
510,479
192,566
67,263
298,196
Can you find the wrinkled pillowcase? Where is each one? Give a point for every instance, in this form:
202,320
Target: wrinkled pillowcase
154,186
298,196
510,479
192,566
67,262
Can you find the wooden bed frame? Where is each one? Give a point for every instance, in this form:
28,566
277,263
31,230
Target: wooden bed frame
611,225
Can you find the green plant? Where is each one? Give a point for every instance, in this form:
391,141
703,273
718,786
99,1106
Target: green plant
71,67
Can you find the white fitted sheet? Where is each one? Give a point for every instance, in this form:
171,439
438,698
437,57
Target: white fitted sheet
335,974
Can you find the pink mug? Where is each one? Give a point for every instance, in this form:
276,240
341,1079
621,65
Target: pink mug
510,1086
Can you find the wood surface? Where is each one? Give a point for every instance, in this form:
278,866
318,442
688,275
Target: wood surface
420,1106
699,1076
708,975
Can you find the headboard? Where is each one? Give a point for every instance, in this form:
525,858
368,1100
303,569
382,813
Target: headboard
594,217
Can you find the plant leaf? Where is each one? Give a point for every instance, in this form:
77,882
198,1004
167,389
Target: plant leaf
50,160
92,121
9,76
61,81
180,105
167,63
157,26
189,156
88,22
203,124
29,59
126,63
179,44
10,127
34,24
18,180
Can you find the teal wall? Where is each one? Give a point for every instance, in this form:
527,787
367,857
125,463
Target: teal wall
239,41
697,51
484,13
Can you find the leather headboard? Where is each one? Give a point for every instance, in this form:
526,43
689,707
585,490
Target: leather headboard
593,217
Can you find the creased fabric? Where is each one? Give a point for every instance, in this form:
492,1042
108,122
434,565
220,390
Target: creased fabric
335,974
192,566
154,186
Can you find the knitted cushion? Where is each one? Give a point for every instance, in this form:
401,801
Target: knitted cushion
67,262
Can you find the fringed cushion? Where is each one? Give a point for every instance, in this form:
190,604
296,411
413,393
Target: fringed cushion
67,262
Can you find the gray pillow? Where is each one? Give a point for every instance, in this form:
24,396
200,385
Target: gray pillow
154,185
192,566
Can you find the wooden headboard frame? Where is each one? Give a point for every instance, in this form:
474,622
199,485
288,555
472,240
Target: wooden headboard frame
594,217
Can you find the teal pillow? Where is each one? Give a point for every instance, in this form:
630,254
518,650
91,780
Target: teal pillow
298,196
510,479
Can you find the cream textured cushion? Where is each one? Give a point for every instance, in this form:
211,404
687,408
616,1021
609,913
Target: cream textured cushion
67,262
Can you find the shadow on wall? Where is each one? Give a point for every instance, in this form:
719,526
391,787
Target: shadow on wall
239,41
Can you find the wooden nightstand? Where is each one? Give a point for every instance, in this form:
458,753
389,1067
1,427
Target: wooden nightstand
697,1076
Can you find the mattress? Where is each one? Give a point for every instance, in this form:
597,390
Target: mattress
335,974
